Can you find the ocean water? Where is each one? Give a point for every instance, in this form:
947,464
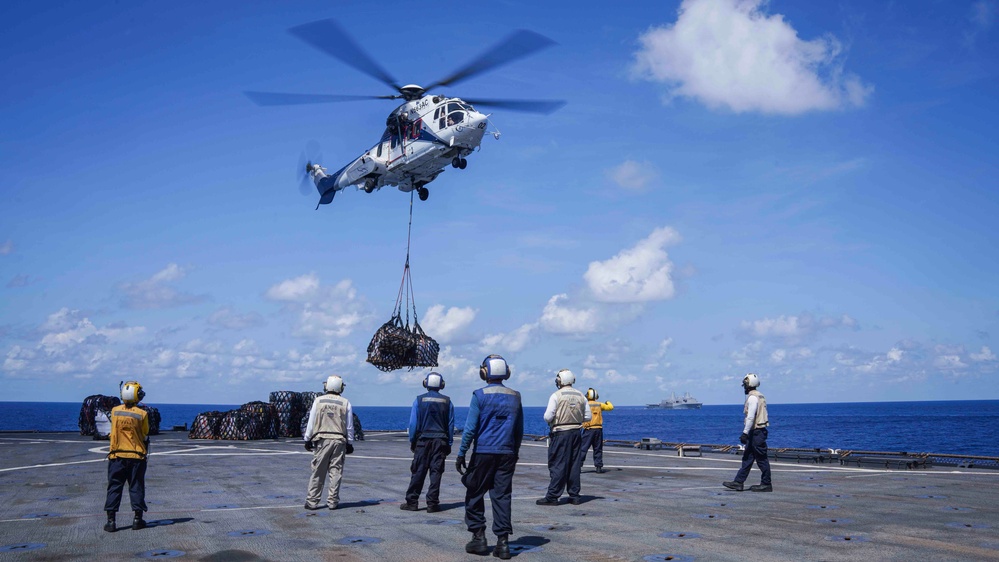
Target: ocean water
963,427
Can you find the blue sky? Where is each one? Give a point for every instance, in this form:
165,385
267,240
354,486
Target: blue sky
804,190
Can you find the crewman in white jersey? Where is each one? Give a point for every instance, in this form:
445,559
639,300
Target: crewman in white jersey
754,437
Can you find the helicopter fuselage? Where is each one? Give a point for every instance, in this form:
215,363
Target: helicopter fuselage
422,137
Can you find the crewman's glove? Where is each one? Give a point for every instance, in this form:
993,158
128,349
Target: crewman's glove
412,446
459,465
309,446
350,449
744,438
447,450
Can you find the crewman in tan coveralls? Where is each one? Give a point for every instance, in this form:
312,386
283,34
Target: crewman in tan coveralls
330,436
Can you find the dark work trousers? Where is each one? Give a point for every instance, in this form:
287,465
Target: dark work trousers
756,450
429,457
593,438
132,471
563,463
494,474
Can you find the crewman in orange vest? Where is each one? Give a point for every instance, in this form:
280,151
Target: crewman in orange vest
129,447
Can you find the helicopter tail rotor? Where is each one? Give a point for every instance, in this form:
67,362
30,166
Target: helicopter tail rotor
308,160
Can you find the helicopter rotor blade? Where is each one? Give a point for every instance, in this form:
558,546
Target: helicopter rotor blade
527,106
330,38
277,98
517,45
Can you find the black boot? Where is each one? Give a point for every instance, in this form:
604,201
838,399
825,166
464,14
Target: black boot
478,544
138,523
110,526
502,550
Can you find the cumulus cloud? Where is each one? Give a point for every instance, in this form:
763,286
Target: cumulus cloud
7,248
513,341
559,318
227,318
157,292
71,344
795,327
446,325
638,274
632,175
732,54
322,311
299,289
984,355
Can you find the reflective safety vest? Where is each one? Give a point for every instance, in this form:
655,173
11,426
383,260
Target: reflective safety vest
597,413
330,421
762,420
129,429
500,420
433,413
570,409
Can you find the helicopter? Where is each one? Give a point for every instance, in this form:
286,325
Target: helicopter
422,136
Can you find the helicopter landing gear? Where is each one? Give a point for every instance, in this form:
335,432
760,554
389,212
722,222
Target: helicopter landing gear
369,185
459,162
423,192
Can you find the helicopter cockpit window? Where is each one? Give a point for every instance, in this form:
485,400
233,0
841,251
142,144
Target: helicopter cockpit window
455,114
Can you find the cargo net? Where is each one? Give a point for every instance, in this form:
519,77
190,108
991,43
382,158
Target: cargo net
88,411
154,419
251,421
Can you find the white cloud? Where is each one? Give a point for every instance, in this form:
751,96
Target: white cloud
793,328
156,292
949,362
447,325
632,175
299,289
322,311
513,341
985,355
638,274
7,248
730,53
560,319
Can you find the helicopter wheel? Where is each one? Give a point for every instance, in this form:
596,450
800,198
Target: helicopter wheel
423,192
456,162
462,163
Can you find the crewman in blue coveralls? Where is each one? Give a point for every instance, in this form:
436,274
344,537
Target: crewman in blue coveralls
566,412
431,433
496,424
129,447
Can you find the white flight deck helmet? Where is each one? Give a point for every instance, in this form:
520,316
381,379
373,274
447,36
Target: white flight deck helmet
591,394
334,384
494,368
750,381
131,392
564,378
434,381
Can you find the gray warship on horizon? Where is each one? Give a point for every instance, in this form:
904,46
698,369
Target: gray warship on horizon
674,402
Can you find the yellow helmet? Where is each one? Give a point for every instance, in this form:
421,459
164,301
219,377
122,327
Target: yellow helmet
132,393
591,394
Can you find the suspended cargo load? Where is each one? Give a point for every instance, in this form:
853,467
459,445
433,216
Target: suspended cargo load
396,344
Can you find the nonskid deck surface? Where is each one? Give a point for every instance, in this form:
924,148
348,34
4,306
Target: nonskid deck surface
221,500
